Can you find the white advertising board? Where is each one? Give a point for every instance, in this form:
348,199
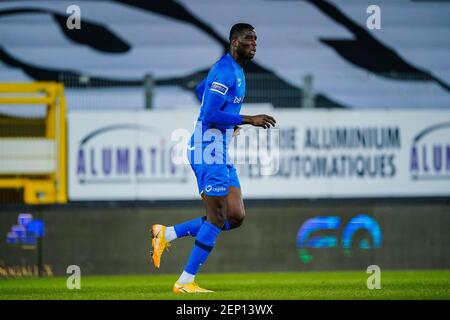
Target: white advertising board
320,154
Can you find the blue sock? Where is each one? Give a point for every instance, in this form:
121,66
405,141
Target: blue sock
204,243
191,227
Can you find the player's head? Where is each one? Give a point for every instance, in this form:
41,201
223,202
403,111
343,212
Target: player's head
243,40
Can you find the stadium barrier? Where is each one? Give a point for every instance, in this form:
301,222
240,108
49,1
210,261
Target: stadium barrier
277,236
29,161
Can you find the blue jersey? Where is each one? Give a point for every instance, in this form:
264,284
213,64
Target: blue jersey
222,97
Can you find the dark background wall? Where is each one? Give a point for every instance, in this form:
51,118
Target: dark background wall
107,238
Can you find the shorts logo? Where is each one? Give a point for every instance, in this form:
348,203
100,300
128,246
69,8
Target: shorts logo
209,187
220,88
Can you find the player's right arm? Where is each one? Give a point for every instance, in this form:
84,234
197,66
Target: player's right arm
260,120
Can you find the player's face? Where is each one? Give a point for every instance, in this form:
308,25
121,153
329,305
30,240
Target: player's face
247,44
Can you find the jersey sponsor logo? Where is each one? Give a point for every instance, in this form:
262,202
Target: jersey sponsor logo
239,81
238,99
220,88
208,188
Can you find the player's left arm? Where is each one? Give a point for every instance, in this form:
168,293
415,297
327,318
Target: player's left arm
216,97
213,113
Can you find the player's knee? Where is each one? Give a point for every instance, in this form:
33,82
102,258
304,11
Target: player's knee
218,220
236,216
217,215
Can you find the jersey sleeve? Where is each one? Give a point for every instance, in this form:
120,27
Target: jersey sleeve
213,113
222,81
216,97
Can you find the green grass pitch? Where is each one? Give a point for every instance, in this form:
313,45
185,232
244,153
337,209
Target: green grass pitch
245,286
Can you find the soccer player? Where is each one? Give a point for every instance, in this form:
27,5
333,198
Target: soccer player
222,93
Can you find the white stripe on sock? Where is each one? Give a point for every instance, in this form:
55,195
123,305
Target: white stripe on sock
186,278
170,234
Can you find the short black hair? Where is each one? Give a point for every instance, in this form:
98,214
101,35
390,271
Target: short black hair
238,28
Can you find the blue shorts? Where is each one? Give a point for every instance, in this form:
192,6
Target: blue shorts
214,179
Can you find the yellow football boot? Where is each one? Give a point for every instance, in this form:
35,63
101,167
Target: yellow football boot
188,288
159,243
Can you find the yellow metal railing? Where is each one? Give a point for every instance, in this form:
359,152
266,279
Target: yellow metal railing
47,187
